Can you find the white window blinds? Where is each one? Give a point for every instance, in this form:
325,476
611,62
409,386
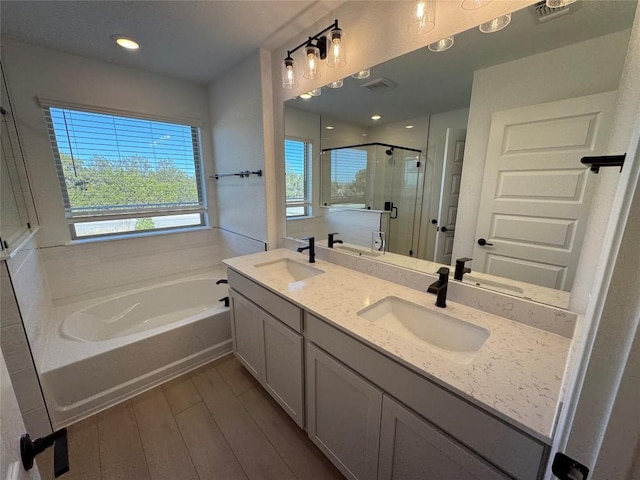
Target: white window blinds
297,154
117,167
348,176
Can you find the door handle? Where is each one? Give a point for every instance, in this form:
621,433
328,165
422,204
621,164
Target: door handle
482,242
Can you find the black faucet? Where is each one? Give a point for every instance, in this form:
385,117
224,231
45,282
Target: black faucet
461,269
222,280
311,247
439,287
332,242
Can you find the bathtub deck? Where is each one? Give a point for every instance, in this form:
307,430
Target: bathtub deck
214,423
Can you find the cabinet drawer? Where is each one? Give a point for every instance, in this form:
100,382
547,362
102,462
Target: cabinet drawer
506,447
281,309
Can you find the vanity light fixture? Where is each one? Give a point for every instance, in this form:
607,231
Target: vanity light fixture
559,3
375,117
126,42
442,44
496,24
316,49
474,4
362,74
424,19
335,84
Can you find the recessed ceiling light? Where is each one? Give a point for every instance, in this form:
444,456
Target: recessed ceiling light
408,126
496,24
376,117
335,84
362,74
126,42
441,45
329,127
305,96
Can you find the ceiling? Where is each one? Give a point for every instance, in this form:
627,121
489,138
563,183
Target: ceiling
439,82
189,40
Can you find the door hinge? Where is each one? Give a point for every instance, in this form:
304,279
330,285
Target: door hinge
566,468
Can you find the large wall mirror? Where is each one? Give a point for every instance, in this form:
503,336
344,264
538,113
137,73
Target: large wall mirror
472,151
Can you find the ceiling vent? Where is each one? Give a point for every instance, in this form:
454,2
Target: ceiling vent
380,85
545,14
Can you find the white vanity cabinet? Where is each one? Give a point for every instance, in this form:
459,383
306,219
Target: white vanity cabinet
344,415
412,449
266,344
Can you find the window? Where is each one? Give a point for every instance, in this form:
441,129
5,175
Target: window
297,161
349,176
121,175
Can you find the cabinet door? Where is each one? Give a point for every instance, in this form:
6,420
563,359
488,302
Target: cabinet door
410,448
343,413
283,375
247,334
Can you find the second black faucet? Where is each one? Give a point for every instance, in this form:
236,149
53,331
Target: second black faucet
439,287
311,247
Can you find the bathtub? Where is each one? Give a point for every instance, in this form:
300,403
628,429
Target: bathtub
106,350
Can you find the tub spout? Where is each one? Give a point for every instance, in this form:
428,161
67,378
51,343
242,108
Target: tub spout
222,280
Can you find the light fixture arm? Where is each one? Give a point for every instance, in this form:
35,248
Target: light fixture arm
315,38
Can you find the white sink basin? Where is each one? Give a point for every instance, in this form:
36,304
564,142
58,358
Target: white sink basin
357,251
289,270
492,285
416,323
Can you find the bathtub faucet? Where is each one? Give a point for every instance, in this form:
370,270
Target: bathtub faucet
225,300
222,280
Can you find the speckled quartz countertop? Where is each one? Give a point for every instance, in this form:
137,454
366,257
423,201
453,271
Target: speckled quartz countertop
515,375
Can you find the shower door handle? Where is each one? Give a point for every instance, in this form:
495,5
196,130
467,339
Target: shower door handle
394,213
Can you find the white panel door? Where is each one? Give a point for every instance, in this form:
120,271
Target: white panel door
536,194
411,449
449,193
343,415
247,334
283,375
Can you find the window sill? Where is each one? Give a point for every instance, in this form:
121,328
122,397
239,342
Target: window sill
129,236
293,219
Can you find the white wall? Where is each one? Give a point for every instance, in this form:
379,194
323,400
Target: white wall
585,68
238,128
40,72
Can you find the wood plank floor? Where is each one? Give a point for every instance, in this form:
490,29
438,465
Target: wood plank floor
214,423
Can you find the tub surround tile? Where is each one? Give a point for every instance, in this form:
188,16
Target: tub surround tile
211,455
166,453
255,454
516,374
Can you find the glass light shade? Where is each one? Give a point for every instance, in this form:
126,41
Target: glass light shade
335,84
311,62
424,17
496,24
474,4
336,49
316,92
362,74
559,3
441,45
288,73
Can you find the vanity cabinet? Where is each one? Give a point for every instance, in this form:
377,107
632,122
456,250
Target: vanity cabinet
344,415
412,449
269,348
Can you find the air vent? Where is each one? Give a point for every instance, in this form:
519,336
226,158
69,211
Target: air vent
545,14
380,85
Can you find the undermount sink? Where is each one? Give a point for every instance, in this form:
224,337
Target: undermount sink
459,338
289,270
357,251
495,286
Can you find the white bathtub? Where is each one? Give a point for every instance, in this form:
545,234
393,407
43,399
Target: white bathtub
110,349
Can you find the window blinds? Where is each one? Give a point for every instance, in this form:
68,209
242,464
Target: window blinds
116,167
348,175
297,156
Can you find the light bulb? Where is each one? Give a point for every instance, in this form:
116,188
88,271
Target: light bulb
337,51
305,96
126,42
496,24
441,45
311,63
424,18
362,74
559,3
288,73
335,84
